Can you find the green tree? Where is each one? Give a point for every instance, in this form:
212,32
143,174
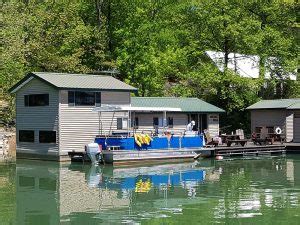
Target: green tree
47,36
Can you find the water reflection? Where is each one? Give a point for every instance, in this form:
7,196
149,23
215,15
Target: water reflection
215,191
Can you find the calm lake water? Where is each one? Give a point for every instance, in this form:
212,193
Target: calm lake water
263,190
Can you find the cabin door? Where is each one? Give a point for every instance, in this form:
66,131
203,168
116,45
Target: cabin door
296,128
200,121
194,117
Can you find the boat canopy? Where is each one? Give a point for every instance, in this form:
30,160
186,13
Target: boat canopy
119,108
130,110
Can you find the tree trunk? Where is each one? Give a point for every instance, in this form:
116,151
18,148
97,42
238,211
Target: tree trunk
110,47
226,53
98,4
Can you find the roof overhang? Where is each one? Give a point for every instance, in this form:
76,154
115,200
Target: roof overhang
15,88
278,108
26,80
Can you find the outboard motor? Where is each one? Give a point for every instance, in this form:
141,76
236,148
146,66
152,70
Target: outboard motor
93,151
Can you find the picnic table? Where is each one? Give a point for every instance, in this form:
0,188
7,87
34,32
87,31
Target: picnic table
240,142
262,141
226,137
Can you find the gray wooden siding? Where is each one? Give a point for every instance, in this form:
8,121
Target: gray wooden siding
79,124
289,126
180,120
268,118
213,124
296,137
37,118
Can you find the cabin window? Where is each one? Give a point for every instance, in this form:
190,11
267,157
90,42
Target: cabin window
214,118
36,100
98,98
170,122
158,122
203,122
122,123
119,123
155,121
84,98
270,130
26,136
47,184
71,98
47,136
26,181
136,123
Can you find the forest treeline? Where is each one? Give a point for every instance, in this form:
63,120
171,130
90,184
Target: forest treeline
157,46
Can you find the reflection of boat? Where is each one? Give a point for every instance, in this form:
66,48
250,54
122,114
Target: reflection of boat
51,192
142,179
58,193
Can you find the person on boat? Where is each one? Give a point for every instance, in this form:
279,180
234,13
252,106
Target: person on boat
190,126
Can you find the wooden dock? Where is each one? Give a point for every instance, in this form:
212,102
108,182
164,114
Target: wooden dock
125,157
250,150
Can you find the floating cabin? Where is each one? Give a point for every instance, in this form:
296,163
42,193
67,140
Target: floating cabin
279,113
55,113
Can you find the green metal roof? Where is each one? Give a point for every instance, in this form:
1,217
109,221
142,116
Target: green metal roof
295,106
276,104
77,81
186,104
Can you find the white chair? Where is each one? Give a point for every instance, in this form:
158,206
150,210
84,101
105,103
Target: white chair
240,132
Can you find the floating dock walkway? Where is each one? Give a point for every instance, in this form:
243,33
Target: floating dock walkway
125,157
250,150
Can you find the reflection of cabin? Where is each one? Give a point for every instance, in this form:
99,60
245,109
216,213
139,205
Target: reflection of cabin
54,112
48,193
52,193
37,193
283,113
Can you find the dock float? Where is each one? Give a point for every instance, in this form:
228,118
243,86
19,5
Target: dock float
123,157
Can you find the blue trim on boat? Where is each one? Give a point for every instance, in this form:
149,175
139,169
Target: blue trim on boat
128,143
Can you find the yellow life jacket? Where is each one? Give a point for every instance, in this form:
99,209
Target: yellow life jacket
147,139
137,141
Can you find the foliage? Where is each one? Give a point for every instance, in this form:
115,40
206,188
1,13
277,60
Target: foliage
158,46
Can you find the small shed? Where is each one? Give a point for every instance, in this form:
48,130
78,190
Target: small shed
282,113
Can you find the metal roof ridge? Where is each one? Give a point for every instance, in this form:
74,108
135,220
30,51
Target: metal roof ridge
72,74
280,99
165,97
